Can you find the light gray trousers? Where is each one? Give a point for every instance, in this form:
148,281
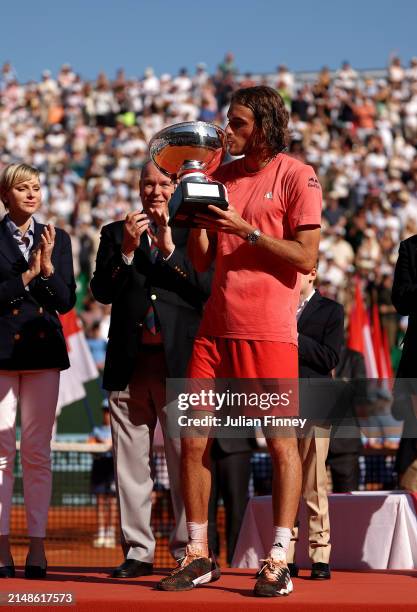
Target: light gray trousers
134,414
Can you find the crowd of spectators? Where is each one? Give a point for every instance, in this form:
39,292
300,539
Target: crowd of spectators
89,139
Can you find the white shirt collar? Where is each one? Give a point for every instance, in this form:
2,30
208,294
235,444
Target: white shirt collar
308,298
304,303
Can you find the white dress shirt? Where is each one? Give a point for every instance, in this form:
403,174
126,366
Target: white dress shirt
303,304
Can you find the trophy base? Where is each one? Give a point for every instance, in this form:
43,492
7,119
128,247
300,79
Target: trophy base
185,204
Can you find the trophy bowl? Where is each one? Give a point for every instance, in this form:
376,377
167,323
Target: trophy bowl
187,152
191,140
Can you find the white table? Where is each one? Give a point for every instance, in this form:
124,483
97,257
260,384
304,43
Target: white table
369,530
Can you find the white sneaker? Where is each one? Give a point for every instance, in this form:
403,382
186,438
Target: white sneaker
99,541
274,579
109,541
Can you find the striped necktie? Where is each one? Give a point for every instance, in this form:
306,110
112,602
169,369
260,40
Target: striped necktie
154,251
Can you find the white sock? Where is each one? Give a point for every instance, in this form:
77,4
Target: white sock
282,538
101,532
197,533
110,532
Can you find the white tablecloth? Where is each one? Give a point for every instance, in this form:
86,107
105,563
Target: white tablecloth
369,530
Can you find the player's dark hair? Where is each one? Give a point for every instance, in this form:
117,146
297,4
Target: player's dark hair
271,117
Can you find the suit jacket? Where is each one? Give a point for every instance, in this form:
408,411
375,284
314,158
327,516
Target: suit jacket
30,331
353,391
352,366
320,339
404,298
175,289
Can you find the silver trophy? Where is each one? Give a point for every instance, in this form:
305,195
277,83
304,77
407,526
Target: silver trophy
189,152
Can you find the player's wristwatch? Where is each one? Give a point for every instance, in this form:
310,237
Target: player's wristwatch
253,237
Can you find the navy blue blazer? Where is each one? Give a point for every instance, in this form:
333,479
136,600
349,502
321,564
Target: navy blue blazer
31,335
320,337
176,290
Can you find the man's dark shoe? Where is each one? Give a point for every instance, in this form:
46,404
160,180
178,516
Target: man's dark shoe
294,569
320,571
192,571
7,571
35,572
130,568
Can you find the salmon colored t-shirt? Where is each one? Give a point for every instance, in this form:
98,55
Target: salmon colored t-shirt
254,294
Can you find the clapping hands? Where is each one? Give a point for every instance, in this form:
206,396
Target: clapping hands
136,224
162,237
46,247
40,258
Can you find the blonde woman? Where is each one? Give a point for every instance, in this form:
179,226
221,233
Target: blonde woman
36,283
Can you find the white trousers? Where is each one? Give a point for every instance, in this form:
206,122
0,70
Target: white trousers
37,394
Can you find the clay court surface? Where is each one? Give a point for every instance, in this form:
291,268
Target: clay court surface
71,531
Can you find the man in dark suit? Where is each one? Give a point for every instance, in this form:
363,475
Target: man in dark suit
345,442
320,338
157,298
404,298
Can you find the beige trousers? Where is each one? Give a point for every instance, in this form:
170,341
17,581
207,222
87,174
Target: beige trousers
134,413
313,452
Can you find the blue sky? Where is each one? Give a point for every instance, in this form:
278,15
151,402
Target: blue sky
96,35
